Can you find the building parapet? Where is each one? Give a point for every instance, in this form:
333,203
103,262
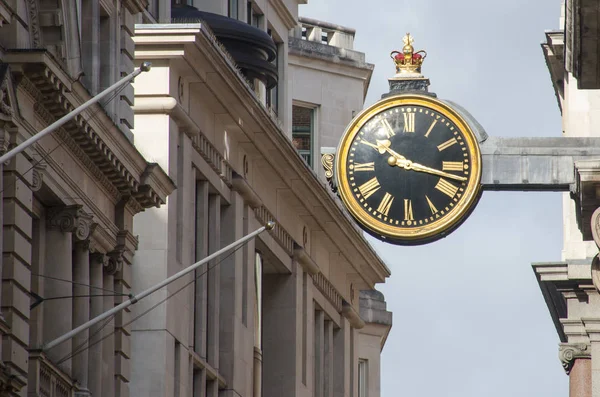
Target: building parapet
325,33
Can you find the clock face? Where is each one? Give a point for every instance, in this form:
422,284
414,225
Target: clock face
408,169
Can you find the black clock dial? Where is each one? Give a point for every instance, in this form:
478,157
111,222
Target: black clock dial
408,166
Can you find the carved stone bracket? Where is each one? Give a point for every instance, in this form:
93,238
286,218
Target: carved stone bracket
72,219
99,257
37,178
114,263
569,352
595,224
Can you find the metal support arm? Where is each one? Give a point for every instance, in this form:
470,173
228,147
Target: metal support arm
69,116
136,298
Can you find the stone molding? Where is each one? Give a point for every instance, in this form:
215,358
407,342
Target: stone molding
328,291
34,25
42,77
241,185
281,235
569,352
352,316
596,272
305,260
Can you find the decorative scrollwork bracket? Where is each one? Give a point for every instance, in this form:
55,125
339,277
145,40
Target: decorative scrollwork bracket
327,163
569,352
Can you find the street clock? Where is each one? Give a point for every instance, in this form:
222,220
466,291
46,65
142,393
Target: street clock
408,168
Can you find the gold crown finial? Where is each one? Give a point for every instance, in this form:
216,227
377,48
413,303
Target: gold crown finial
408,61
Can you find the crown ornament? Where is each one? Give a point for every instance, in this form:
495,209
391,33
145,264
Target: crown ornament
408,62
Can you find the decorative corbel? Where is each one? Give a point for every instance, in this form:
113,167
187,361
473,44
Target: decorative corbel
569,352
114,263
71,219
327,159
37,178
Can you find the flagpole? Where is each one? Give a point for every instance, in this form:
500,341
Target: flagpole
136,298
69,116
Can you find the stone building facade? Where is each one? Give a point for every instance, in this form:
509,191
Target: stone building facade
571,287
104,207
68,201
294,312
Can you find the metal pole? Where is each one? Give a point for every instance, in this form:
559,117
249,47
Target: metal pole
134,299
67,117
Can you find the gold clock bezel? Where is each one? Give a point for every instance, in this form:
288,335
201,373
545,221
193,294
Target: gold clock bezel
447,220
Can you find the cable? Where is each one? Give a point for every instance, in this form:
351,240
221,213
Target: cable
74,353
82,344
75,283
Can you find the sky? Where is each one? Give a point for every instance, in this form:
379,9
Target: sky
469,317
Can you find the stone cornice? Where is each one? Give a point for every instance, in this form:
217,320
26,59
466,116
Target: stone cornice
352,315
363,257
569,352
96,135
305,260
240,185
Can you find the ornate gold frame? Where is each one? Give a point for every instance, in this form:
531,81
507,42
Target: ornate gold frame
455,215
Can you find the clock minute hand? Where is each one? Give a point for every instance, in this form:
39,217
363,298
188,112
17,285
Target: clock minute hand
422,168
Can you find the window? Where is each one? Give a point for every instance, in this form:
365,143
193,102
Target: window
272,99
303,131
232,11
363,374
252,17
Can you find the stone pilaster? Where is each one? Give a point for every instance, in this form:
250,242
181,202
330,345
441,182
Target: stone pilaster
118,265
98,261
81,312
108,342
16,261
231,362
284,321
126,66
63,224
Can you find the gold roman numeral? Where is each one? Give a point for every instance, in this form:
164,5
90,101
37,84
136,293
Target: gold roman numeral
389,131
446,187
430,128
409,122
452,165
447,144
369,187
386,203
408,213
431,206
364,166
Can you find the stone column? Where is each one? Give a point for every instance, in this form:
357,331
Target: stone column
201,284
114,265
282,328
81,312
575,358
97,263
62,223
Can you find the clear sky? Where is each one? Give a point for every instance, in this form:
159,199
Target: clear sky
469,317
